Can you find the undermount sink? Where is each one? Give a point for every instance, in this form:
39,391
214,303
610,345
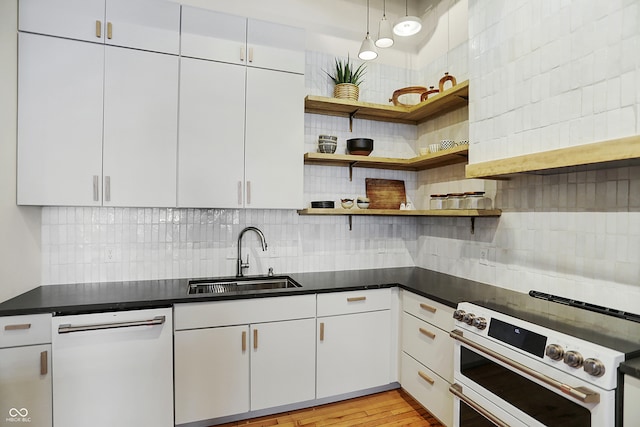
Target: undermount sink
240,284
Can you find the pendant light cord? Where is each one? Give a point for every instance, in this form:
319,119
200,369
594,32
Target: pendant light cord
367,17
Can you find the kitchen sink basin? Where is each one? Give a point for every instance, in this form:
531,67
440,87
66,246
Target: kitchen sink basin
240,284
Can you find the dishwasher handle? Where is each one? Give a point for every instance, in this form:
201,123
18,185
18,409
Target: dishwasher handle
67,327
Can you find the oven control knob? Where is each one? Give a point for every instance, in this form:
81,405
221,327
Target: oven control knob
458,314
479,322
554,351
594,367
573,359
468,318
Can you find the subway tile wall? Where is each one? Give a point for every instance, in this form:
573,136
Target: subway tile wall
114,244
547,74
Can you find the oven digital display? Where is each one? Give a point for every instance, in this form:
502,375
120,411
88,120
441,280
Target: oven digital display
518,337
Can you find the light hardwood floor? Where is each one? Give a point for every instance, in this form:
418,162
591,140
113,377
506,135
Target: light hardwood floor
391,408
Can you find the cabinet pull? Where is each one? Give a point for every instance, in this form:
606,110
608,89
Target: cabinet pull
17,327
66,328
250,54
107,188
242,54
321,331
98,29
244,341
44,363
428,308
354,299
109,30
248,192
427,333
96,180
426,377
255,339
240,193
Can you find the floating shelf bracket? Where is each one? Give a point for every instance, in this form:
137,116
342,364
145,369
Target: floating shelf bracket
351,116
473,225
350,223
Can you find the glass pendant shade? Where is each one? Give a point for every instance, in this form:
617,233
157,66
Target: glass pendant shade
407,26
368,49
385,35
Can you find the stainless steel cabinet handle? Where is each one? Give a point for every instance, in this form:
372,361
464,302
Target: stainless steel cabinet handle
98,29
96,181
429,334
354,299
248,192
426,377
67,328
428,308
583,394
109,30
44,363
456,389
17,327
107,188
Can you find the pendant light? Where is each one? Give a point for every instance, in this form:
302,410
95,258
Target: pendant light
407,25
385,35
368,49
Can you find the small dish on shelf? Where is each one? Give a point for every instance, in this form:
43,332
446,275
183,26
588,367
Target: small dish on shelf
346,203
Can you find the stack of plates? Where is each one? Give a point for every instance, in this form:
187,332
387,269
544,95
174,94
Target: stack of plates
327,204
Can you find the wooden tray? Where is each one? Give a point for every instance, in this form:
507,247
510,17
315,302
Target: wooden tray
385,193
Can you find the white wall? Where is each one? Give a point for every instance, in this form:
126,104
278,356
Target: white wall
19,227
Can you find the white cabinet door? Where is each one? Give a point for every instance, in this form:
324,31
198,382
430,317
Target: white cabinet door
116,376
59,121
282,363
274,141
212,35
140,128
275,46
211,134
25,386
211,373
354,352
73,19
144,24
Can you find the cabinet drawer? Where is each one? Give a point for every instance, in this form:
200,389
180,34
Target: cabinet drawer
430,345
257,310
433,312
353,302
427,388
25,330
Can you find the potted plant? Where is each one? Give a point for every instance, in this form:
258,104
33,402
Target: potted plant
347,79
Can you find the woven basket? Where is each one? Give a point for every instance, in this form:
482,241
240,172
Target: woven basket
346,91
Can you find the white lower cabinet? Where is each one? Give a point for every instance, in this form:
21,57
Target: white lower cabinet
427,354
113,369
25,370
232,357
631,409
354,343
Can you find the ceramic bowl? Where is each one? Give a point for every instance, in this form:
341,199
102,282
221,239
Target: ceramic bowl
327,138
463,142
434,148
360,146
363,202
424,151
445,144
325,146
347,203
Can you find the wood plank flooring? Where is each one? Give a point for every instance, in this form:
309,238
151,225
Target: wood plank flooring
392,408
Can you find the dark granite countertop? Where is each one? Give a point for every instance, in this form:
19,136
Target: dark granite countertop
446,289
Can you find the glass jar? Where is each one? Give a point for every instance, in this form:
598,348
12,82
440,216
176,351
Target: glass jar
437,201
454,201
476,200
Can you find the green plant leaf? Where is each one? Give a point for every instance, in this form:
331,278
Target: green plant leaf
345,72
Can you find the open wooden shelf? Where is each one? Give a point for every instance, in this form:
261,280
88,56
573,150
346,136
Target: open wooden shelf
428,161
396,212
605,154
449,100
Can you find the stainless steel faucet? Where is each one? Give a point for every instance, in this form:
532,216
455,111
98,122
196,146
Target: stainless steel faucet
240,265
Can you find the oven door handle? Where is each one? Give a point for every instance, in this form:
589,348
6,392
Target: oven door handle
456,389
582,394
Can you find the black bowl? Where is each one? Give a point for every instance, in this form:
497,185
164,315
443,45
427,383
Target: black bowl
360,146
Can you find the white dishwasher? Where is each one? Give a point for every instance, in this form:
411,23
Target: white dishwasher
113,369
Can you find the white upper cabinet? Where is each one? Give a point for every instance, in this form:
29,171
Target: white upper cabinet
275,46
228,38
59,121
213,35
142,24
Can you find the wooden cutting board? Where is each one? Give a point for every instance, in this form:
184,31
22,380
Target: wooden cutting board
385,193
